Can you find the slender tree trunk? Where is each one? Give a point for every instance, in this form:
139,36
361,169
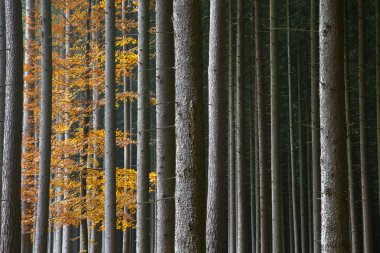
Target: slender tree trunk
264,194
231,137
66,235
216,226
45,131
315,135
142,235
2,79
275,134
190,194
110,140
165,91
353,223
367,225
294,208
241,217
334,213
378,88
11,167
28,116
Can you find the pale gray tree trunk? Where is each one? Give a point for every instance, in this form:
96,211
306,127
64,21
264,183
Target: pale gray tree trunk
264,194
11,163
366,209
28,116
110,128
315,130
142,226
2,79
216,222
294,207
231,137
334,213
165,91
45,131
241,213
190,194
66,235
353,222
275,134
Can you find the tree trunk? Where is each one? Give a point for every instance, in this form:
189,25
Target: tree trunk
264,194
353,222
28,116
275,133
334,213
366,209
110,128
216,226
378,89
231,138
190,194
165,91
315,130
294,208
142,227
11,167
45,131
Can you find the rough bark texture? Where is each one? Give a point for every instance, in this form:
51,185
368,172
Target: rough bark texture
366,212
165,91
216,226
110,139
11,167
45,131
334,213
294,208
241,213
275,133
2,79
315,131
190,195
264,194
231,137
142,234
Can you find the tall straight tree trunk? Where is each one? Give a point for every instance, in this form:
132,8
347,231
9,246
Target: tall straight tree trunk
264,194
165,92
28,116
353,222
275,134
315,130
11,163
216,226
190,194
241,217
142,234
66,235
294,208
231,137
378,88
45,131
2,79
110,128
334,213
366,209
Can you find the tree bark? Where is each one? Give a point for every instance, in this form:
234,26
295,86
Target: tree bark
378,89
366,215
334,213
231,137
275,133
165,91
216,225
110,128
142,233
11,167
45,131
2,79
190,194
